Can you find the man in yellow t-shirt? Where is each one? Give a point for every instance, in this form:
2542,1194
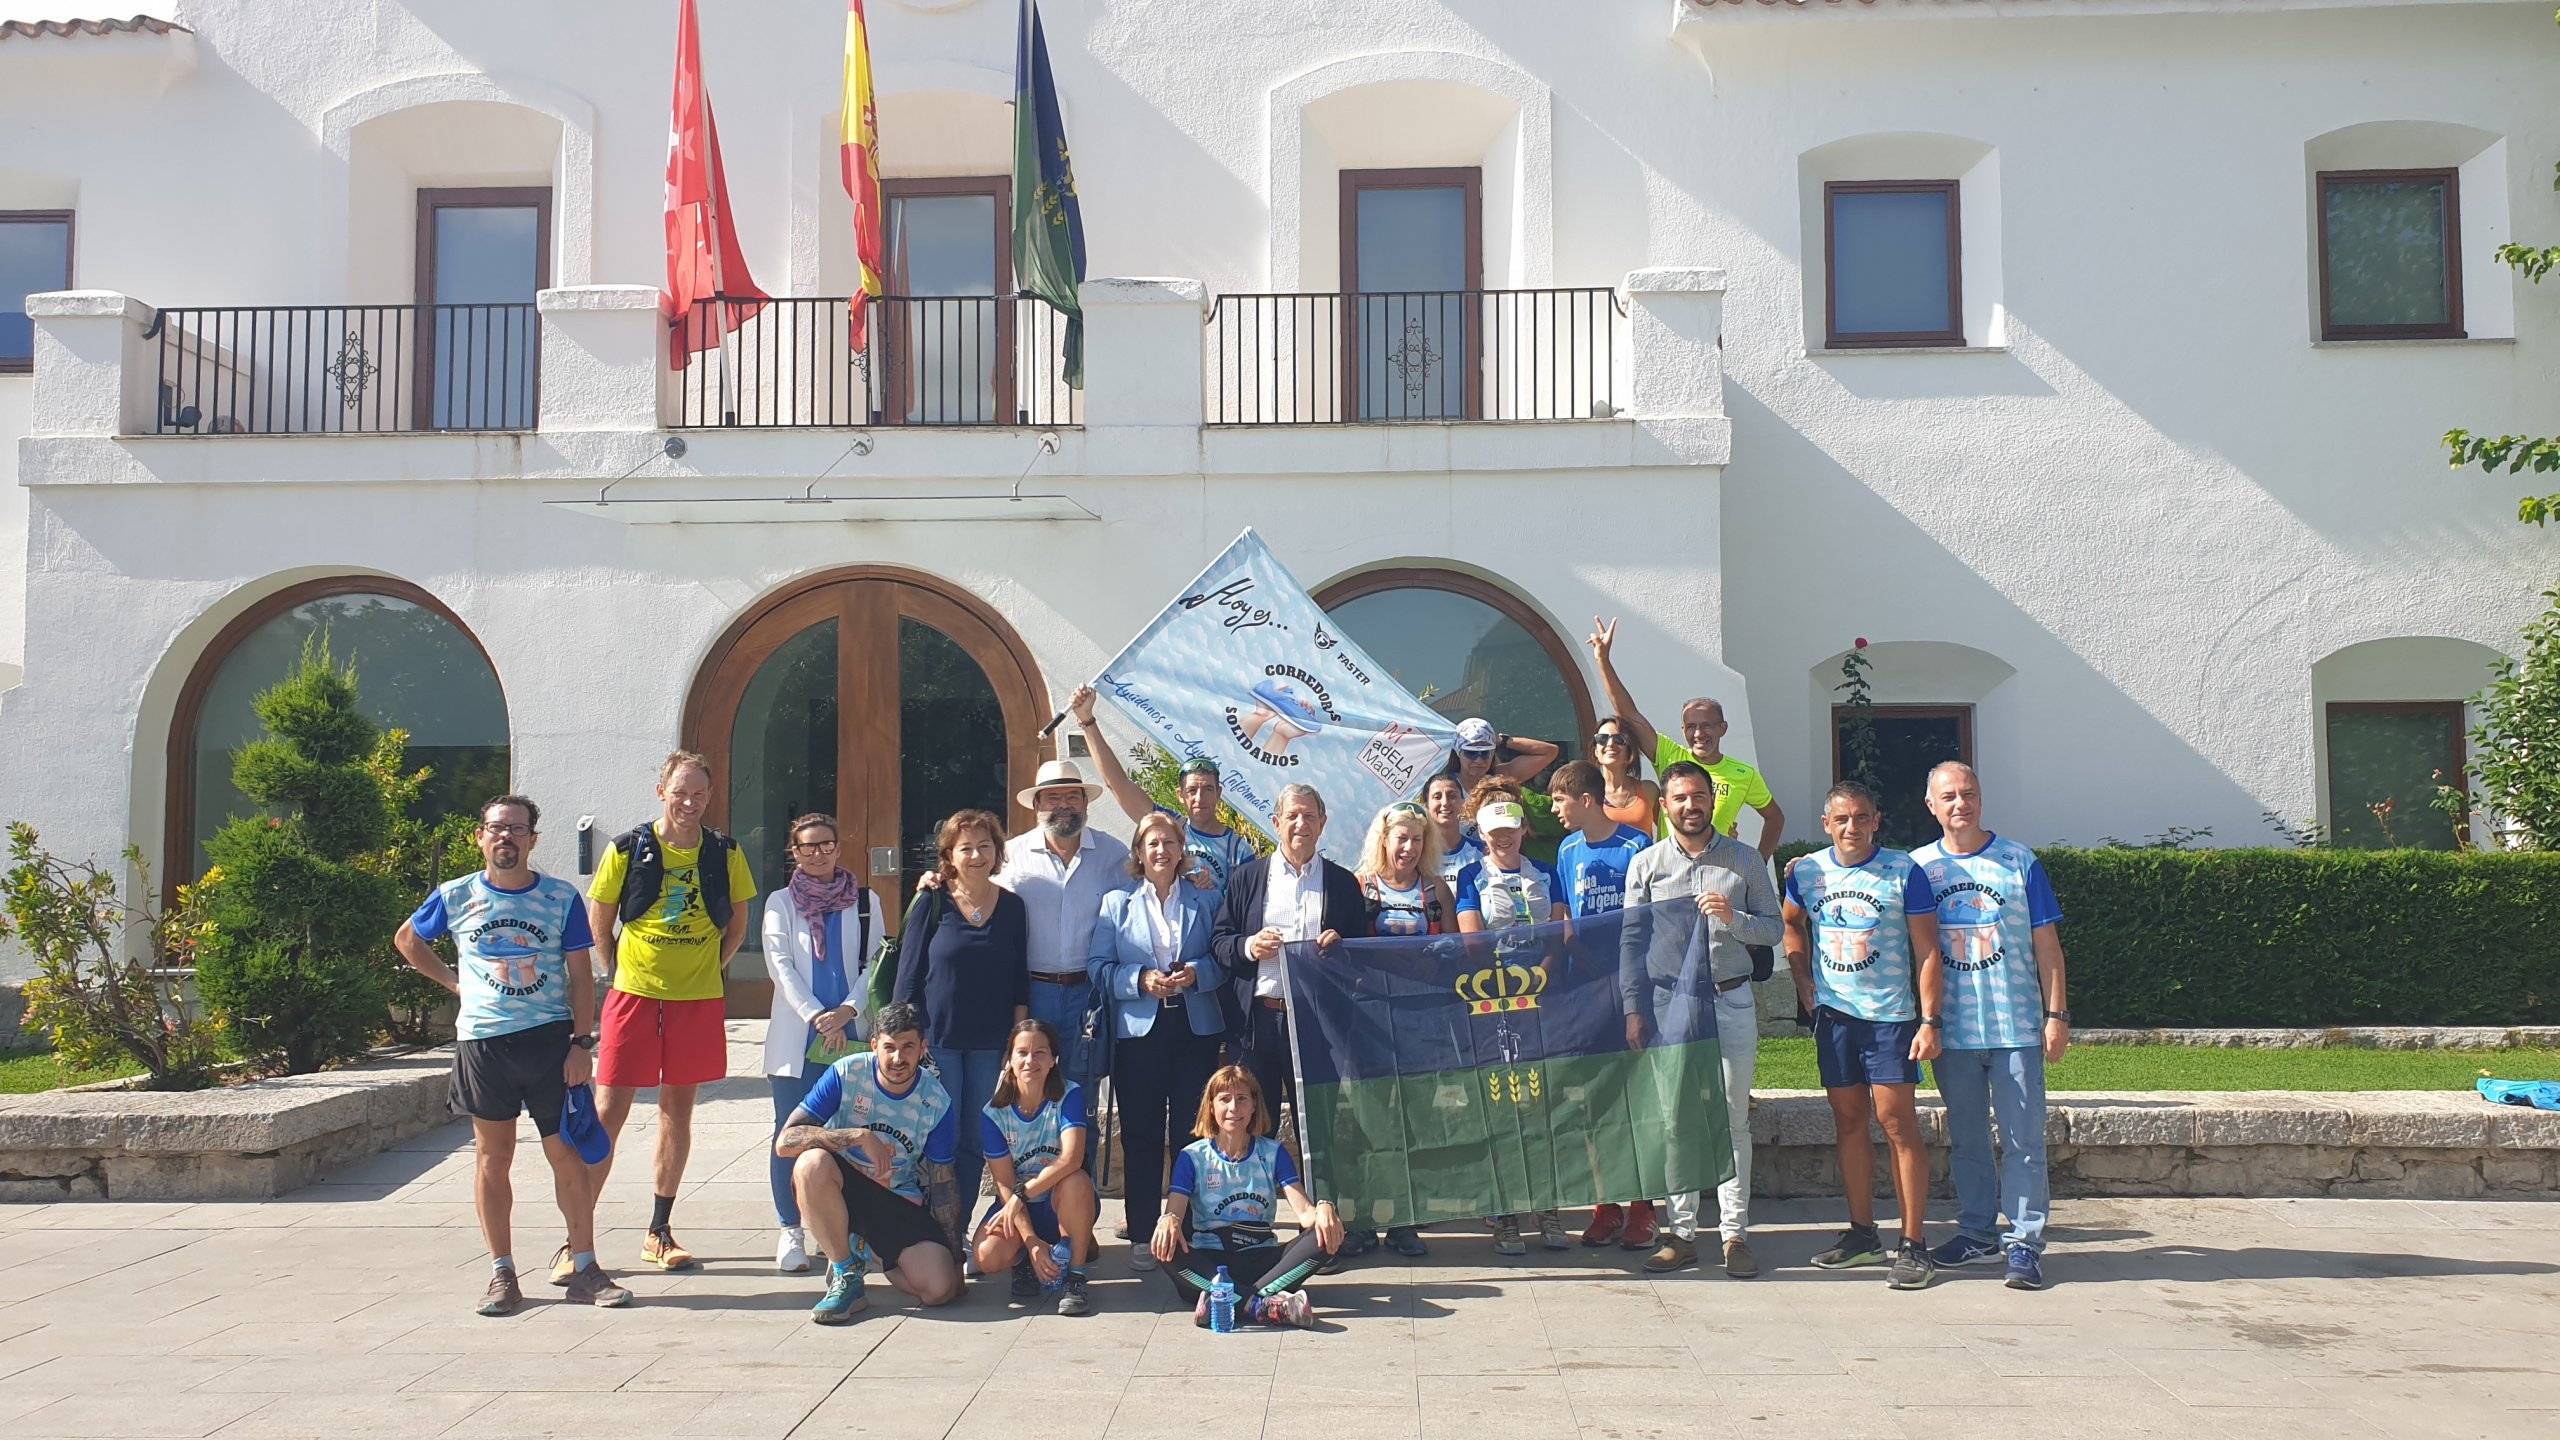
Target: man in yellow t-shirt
666,931
1702,723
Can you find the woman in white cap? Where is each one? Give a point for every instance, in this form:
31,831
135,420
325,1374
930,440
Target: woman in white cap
1507,890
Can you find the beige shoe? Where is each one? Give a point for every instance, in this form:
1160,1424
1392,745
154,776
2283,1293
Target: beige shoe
1738,1259
561,1266
1673,1254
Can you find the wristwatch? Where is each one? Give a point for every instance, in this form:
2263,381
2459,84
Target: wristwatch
2062,1015
583,1042
1933,1021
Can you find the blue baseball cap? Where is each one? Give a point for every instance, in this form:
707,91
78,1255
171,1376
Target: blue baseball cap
580,1126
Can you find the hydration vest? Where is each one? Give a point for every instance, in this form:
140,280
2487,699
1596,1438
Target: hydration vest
646,873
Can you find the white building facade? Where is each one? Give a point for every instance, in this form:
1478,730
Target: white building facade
2085,358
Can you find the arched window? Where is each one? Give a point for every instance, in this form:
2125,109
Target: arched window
417,669
1467,647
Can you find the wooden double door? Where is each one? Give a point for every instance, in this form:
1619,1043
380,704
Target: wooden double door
885,698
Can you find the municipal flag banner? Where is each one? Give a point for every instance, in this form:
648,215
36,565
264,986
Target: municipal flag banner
1048,224
1445,1077
1246,669
704,261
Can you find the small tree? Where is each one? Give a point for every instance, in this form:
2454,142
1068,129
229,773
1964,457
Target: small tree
2515,749
106,989
417,856
302,913
1861,757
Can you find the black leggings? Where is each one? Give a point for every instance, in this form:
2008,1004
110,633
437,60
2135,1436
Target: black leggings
1261,1267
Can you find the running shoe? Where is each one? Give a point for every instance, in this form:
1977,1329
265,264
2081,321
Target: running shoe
843,1300
1141,1259
1026,1281
1075,1300
504,1296
791,1252
563,1264
1551,1232
591,1286
1406,1240
1911,1269
1965,1250
1854,1247
660,1249
1606,1222
1506,1237
2026,1269
1292,1309
1640,1231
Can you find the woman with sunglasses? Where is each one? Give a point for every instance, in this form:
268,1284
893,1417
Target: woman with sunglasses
1400,876
819,932
1629,798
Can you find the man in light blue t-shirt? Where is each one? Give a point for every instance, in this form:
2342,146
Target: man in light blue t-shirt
1862,939
524,1035
2000,941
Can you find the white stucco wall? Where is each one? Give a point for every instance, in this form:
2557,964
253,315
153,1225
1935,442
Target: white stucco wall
2144,491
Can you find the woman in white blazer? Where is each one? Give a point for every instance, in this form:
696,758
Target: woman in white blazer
820,932
1151,956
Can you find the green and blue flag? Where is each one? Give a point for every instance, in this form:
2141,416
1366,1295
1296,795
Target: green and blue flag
1452,1076
1048,228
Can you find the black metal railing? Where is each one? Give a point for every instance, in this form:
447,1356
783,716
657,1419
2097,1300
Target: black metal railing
1413,355
346,369
925,360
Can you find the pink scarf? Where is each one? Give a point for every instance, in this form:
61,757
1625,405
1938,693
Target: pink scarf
818,899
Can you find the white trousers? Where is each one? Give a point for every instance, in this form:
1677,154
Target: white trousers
1738,1037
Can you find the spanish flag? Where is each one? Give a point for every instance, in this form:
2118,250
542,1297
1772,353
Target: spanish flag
862,167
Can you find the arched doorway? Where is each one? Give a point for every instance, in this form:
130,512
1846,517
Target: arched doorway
882,696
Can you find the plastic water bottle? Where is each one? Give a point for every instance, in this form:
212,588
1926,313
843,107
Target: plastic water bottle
1222,1303
1060,1254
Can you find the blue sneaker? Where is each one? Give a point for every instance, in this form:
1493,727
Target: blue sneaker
2026,1272
1965,1250
843,1299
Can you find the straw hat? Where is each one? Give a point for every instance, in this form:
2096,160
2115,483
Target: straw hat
1054,775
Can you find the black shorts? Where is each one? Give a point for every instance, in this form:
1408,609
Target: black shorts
887,1221
515,1073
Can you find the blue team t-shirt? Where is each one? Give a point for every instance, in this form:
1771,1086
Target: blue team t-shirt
1227,1192
1990,904
918,1125
1468,850
1505,898
1218,854
1861,946
1595,875
511,948
1035,1140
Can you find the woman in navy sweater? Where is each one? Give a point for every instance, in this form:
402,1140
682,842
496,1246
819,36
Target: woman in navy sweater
962,960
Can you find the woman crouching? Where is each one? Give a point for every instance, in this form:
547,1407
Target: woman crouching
1034,1135
1226,1187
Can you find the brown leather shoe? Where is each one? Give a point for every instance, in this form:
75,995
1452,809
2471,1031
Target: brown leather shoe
1673,1254
505,1297
1738,1259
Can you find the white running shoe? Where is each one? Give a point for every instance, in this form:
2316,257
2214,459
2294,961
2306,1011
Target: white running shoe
791,1252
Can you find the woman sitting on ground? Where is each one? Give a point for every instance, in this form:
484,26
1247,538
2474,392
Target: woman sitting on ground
1226,1187
1034,1135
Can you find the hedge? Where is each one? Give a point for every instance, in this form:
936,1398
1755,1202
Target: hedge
2309,937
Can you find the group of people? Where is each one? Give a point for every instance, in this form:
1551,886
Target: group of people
1028,968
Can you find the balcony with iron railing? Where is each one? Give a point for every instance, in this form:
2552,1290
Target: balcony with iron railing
925,360
344,369
1388,358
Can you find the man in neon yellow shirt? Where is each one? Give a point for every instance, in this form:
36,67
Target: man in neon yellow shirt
1702,723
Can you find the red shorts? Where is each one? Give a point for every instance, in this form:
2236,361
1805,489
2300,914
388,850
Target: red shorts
646,1043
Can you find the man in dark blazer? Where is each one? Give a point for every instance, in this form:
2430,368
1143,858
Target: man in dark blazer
1292,894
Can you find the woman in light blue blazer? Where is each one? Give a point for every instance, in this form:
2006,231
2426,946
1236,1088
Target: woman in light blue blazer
1151,955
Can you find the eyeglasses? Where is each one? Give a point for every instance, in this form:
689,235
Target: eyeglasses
1607,739
814,847
505,831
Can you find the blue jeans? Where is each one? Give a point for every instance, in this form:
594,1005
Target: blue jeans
788,1092
970,1076
1063,1007
2010,1083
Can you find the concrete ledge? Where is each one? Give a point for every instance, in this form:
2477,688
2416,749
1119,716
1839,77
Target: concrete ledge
234,1142
2348,1037
2413,1143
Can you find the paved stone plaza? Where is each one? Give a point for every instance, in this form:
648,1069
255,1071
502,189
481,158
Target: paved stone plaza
345,1310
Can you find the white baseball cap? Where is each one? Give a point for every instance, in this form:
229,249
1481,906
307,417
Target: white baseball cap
1476,735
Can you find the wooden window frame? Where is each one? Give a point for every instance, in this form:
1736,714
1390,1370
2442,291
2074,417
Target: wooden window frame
10,364
1468,179
1457,582
2456,711
1832,338
2452,327
178,798
429,201
1962,714
899,367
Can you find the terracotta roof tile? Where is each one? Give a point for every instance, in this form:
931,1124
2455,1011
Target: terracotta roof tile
130,25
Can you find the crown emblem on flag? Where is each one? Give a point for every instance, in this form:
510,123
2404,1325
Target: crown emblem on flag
1500,989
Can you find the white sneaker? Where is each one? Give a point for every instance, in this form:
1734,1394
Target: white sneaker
791,1252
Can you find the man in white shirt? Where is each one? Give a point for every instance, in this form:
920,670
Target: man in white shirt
1062,869
1289,896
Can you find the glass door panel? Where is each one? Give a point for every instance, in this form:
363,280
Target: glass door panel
482,257
783,758
1410,264
952,753
947,257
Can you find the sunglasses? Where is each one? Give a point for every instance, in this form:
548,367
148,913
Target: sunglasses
1607,739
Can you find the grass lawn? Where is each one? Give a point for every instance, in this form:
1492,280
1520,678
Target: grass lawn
28,1069
1786,1063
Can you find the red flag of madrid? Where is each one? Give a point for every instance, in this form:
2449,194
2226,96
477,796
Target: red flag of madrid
703,259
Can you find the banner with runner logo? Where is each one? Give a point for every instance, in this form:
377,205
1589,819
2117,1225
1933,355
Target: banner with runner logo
1246,669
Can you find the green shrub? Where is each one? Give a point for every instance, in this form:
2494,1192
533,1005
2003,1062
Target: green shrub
106,991
2309,937
299,911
